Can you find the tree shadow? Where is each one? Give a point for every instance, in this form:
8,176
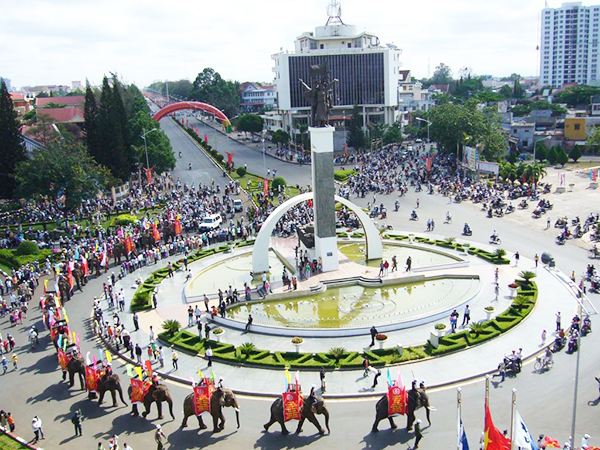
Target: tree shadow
56,392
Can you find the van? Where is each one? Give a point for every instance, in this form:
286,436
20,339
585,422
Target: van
211,222
238,205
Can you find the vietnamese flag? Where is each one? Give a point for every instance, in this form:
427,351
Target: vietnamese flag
493,438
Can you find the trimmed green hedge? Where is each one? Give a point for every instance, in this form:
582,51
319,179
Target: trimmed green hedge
11,259
343,175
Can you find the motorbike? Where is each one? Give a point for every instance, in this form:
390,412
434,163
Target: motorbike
448,218
523,204
512,365
559,344
587,327
537,213
572,347
413,215
560,239
490,213
495,239
561,222
190,166
510,209
467,230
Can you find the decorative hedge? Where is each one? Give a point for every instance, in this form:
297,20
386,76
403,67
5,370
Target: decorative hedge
343,175
11,259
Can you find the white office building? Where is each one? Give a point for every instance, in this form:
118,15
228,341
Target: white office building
368,73
569,45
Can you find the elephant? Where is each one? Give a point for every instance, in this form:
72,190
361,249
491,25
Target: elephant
416,398
220,398
168,232
64,288
157,393
119,251
94,265
308,413
145,241
110,382
76,365
78,277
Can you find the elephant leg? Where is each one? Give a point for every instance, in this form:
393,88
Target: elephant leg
375,428
201,423
427,414
184,421
64,372
134,409
410,419
159,407
312,419
101,398
392,423
114,397
121,396
71,379
271,421
82,382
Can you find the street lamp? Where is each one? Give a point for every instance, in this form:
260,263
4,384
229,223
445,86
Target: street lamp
536,143
146,146
428,124
264,131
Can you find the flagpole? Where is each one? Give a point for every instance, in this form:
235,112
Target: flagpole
487,398
459,413
512,417
576,387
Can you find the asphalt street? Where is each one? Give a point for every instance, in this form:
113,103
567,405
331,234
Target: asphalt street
545,401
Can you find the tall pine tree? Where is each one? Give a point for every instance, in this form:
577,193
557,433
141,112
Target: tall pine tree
356,135
12,149
90,125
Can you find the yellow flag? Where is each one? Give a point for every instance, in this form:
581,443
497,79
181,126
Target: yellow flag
74,337
287,376
108,356
200,372
65,315
45,285
139,371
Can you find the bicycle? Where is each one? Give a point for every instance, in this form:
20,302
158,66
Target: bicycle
541,365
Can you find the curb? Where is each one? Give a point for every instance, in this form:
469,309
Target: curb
18,439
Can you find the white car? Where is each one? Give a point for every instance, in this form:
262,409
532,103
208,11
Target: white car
238,205
211,222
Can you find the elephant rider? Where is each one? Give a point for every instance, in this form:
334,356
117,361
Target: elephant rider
219,385
413,398
312,399
424,399
155,381
108,370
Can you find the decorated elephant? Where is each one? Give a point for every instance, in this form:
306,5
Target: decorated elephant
308,413
119,251
157,393
80,280
145,241
76,366
110,382
416,399
94,265
64,288
168,232
220,398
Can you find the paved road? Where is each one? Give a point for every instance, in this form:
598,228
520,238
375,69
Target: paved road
544,401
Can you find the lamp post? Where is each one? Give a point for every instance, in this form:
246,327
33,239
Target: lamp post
428,124
264,131
146,145
536,143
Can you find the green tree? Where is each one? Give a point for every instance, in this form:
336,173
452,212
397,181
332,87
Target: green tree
90,124
575,96
62,167
210,88
356,135
521,110
280,137
575,153
393,134
250,123
160,152
593,141
562,158
441,75
12,150
540,152
517,90
552,155
506,91
180,88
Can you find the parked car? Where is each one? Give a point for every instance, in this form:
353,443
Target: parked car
211,222
238,205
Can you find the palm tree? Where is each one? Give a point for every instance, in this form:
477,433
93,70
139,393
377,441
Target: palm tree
337,353
477,328
246,348
171,326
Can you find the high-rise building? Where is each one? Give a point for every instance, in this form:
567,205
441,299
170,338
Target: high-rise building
368,73
569,45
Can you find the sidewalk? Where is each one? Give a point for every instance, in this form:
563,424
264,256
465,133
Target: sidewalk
554,295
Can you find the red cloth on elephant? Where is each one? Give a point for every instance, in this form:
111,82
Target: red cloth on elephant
397,400
201,397
293,402
177,227
63,359
138,390
91,378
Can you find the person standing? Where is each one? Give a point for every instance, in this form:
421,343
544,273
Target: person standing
536,258
206,331
190,316
38,431
76,421
394,263
558,321
138,353
206,302
322,377
15,360
175,360
373,332
408,263
517,256
158,437
198,314
151,334
136,323
249,323
4,365
161,356
209,355
466,316
418,434
543,338
11,421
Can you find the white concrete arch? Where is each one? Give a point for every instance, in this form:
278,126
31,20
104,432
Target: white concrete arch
260,253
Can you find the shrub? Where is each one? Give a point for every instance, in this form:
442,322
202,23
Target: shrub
343,175
477,328
171,326
246,348
337,353
278,181
499,253
27,248
123,219
297,340
241,171
527,275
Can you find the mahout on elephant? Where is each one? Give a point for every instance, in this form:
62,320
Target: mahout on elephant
416,398
76,365
157,393
109,381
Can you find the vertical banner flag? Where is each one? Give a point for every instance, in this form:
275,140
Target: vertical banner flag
462,436
493,438
265,187
522,438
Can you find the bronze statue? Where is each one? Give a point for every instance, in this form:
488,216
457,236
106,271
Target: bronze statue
320,95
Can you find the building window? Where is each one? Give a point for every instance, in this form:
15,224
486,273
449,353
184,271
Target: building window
577,126
321,47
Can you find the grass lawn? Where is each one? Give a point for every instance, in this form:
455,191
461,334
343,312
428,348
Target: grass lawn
7,443
581,164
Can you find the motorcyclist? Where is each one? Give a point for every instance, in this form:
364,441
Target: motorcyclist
448,217
396,205
413,215
190,166
466,228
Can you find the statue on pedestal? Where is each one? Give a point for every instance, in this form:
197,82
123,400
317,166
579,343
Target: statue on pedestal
320,95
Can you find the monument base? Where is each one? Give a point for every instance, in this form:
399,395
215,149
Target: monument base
326,248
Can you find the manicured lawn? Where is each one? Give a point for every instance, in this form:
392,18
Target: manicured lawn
7,443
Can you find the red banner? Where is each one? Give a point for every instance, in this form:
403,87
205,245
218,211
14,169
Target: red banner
149,368
91,379
428,164
177,227
63,359
155,233
138,390
266,187
397,400
229,157
201,397
205,138
129,244
292,405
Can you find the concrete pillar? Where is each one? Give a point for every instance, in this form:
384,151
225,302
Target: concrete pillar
324,192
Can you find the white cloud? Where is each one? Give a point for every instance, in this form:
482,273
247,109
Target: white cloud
45,42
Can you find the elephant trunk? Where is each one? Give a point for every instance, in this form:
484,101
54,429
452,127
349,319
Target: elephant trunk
326,414
121,395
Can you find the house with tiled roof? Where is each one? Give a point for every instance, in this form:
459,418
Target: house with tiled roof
74,100
256,96
72,114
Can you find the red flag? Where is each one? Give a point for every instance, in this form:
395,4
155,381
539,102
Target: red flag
91,379
177,227
155,233
266,187
149,367
202,395
138,390
229,157
205,138
70,278
310,203
493,438
293,403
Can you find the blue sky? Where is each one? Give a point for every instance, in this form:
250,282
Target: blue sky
58,41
